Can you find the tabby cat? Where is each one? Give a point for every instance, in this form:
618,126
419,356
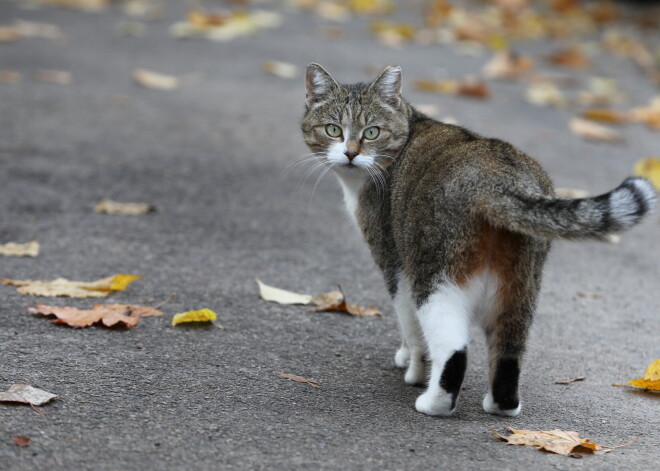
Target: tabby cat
459,224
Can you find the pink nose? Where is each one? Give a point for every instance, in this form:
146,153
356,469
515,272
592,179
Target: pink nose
350,155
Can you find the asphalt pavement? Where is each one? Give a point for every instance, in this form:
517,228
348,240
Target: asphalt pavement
211,156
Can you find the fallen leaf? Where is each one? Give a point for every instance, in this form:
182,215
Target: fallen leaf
26,394
21,440
298,379
605,115
569,381
84,5
74,289
59,77
507,65
649,168
281,296
571,193
155,80
9,76
130,209
225,26
544,93
651,379
392,34
202,315
109,314
593,131
469,86
335,301
601,91
553,441
29,249
572,58
280,69
8,34
648,114
587,294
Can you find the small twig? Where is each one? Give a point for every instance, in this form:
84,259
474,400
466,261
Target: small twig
634,439
37,410
169,298
569,381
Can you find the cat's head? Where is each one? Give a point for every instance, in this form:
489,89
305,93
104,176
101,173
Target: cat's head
358,127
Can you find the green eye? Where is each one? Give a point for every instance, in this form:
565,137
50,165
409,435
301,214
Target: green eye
371,133
333,130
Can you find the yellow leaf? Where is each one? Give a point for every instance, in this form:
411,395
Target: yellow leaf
651,379
155,80
202,315
29,249
281,296
649,168
131,209
73,289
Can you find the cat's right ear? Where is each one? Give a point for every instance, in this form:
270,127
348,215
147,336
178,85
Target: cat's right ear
318,85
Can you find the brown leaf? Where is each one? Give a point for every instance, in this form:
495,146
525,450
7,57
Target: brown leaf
109,314
74,289
469,87
335,301
569,381
298,379
59,77
131,209
21,440
553,441
593,131
26,394
605,115
572,58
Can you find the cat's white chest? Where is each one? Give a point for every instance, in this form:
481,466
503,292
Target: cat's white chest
351,184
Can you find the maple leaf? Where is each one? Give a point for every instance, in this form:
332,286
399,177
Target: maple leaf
201,315
298,379
109,314
649,168
155,80
74,289
131,209
651,379
593,131
29,249
553,441
26,394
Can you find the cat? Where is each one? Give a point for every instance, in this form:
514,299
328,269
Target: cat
460,226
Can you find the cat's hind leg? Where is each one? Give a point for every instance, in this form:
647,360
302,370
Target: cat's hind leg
412,348
444,318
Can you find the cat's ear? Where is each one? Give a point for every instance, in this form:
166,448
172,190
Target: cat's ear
388,85
318,84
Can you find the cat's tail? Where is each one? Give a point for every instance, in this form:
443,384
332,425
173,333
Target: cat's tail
582,218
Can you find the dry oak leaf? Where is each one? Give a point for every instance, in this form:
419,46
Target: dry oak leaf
649,168
335,301
651,379
26,394
201,315
73,289
593,131
554,441
298,379
29,249
21,440
110,315
107,206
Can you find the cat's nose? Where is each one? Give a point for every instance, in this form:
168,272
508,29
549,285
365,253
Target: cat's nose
350,155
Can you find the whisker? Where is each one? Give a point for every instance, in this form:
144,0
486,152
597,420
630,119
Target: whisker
316,184
310,171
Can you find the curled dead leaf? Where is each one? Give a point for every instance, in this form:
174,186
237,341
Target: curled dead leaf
335,301
74,289
200,315
26,394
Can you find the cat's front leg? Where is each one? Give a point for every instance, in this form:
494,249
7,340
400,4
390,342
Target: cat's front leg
411,352
444,318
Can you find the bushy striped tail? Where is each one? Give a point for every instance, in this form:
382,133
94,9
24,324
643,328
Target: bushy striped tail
582,218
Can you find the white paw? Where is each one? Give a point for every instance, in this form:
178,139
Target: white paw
435,403
402,356
492,408
416,373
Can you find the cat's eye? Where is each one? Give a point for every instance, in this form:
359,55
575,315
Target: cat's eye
333,130
371,133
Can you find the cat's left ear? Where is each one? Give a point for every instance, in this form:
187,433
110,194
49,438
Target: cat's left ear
388,85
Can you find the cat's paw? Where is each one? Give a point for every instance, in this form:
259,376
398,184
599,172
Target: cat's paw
435,403
492,408
416,372
402,357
